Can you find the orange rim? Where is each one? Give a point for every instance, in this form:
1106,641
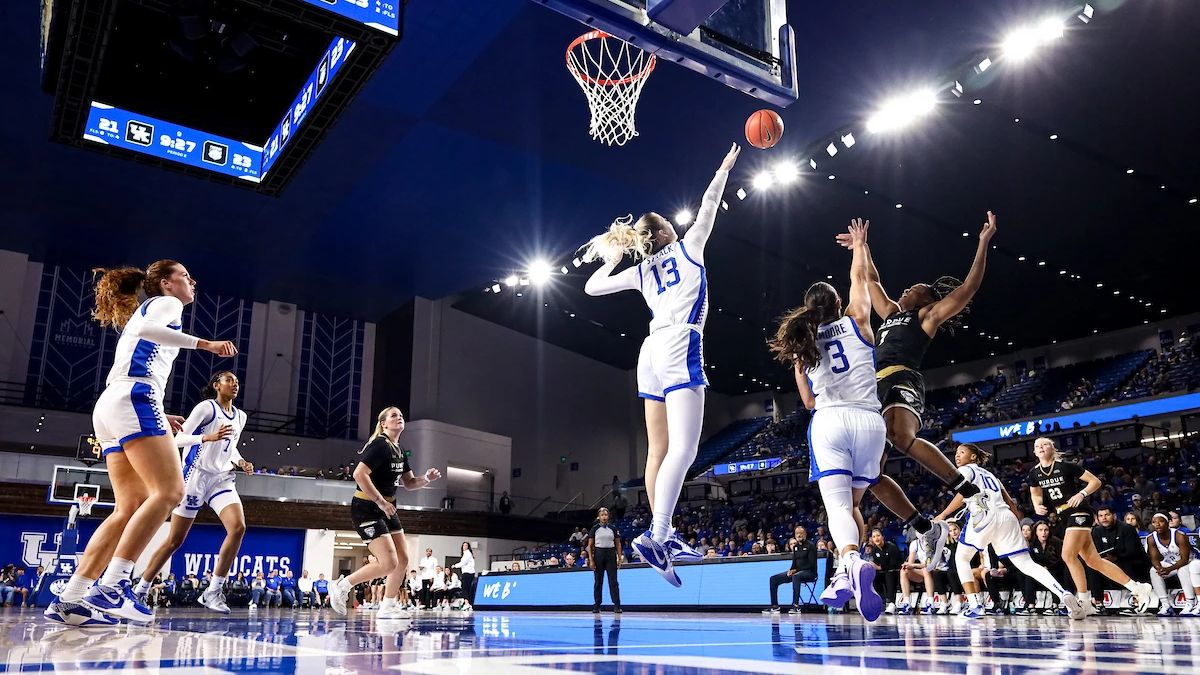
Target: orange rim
601,35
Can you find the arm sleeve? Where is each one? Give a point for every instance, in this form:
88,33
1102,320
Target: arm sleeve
604,284
160,314
201,415
707,215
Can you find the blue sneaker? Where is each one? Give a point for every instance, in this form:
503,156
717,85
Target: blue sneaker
904,609
118,601
75,614
678,549
972,611
838,592
862,579
657,556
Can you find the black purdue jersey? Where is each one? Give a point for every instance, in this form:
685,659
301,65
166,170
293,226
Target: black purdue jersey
1061,482
901,341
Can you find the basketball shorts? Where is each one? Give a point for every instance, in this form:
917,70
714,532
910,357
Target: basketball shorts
671,358
903,389
127,409
846,441
201,487
1001,531
1078,519
370,521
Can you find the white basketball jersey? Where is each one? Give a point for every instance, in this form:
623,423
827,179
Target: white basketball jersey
845,377
213,456
675,288
986,481
144,360
1169,554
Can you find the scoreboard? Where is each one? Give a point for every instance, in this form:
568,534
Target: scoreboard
238,58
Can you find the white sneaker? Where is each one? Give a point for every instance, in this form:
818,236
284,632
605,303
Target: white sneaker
1143,593
75,614
339,593
253,606
214,599
1075,606
890,609
1192,609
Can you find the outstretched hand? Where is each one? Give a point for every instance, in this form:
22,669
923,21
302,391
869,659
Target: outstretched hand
731,158
855,234
989,228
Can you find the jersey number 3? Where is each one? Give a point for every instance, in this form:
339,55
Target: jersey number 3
834,347
670,272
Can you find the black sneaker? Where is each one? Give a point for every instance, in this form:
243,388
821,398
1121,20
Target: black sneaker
796,609
617,609
596,609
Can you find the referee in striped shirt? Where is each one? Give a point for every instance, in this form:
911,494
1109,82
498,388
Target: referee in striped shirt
603,545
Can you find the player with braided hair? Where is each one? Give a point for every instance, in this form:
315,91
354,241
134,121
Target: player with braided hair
909,325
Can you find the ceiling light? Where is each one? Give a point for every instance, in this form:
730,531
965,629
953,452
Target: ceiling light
900,206
1054,137
683,217
510,281
1128,171
983,65
495,288
786,172
848,140
1021,258
831,176
831,149
901,111
763,180
1100,285
741,193
539,272
976,102
1041,263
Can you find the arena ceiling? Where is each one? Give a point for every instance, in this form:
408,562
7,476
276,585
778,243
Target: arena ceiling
467,157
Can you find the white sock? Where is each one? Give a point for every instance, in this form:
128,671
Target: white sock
685,415
1039,573
119,569
76,588
976,599
218,582
143,586
1131,586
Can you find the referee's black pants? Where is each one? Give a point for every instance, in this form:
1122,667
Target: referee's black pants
606,563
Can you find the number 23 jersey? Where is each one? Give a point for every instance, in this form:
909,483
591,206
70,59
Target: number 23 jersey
1059,483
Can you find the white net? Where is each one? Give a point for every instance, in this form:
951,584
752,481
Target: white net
611,73
85,503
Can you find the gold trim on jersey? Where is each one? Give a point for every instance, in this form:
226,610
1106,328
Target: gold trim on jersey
359,494
891,370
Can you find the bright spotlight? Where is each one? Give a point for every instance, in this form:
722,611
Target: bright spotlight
495,288
763,181
983,65
683,216
902,111
1049,29
848,140
564,269
510,281
540,271
1020,44
786,172
741,193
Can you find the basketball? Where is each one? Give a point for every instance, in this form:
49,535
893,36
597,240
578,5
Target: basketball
764,128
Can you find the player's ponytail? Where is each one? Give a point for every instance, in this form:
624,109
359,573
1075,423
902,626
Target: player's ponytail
940,289
981,456
210,389
625,237
795,340
117,289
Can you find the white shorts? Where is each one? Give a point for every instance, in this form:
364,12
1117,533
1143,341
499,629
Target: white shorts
846,441
1194,566
671,358
1002,531
127,409
200,487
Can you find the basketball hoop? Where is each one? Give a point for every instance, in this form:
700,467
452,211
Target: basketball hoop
611,73
86,502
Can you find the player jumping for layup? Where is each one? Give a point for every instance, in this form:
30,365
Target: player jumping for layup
909,325
670,275
834,363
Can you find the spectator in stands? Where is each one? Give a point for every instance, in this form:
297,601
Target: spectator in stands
304,590
154,598
258,590
803,570
8,584
1046,550
320,591
437,589
239,589
1134,520
34,580
886,558
505,505
170,590
577,537
569,562
414,588
1121,544
274,582
619,505
453,585
287,587
188,590
428,567
516,567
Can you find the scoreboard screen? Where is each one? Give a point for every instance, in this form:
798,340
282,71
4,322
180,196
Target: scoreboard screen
378,14
331,62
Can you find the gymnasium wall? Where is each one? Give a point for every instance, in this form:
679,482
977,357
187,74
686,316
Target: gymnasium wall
550,402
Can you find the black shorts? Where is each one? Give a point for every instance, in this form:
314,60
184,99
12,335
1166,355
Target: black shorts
369,520
903,389
1078,518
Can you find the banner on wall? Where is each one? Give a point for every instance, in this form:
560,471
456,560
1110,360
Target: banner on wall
32,541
